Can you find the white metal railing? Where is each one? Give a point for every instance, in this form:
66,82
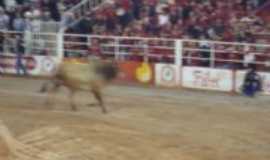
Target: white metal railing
49,44
262,37
184,52
122,48
263,33
52,27
226,54
85,5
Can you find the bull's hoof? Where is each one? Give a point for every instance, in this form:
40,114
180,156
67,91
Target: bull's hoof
92,105
74,108
104,111
42,90
49,106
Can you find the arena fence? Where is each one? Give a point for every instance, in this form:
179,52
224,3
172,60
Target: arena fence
262,37
209,65
40,51
50,27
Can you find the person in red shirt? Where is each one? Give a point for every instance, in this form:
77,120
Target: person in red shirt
94,50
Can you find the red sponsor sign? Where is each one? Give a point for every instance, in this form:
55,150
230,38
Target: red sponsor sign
138,72
9,62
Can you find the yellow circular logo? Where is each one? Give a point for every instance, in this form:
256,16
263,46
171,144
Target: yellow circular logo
144,73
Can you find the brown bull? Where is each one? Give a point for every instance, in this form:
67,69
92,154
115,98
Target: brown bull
88,76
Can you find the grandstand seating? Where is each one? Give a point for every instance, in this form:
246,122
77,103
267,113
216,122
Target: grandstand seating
17,14
216,20
233,21
171,19
263,11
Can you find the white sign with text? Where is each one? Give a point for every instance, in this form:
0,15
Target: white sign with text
207,78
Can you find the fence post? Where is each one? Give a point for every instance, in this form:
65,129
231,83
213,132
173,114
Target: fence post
60,45
178,52
28,40
146,51
179,58
212,56
117,54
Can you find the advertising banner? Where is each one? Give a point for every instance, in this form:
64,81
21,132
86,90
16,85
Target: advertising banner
35,65
131,71
167,75
207,78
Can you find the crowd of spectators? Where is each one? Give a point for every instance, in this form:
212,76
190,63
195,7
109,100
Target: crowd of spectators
196,19
226,20
21,15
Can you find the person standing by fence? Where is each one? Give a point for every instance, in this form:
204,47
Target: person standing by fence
252,82
1,53
19,50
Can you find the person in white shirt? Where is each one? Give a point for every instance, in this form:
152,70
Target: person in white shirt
4,20
249,56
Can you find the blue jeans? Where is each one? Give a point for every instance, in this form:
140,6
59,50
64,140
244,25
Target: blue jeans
20,66
251,89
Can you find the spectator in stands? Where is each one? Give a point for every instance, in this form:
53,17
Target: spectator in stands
28,21
52,7
9,3
84,26
35,21
94,51
249,56
4,20
124,17
19,23
68,19
204,46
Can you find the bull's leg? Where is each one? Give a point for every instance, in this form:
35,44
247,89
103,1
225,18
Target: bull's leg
98,96
71,100
51,92
44,87
56,83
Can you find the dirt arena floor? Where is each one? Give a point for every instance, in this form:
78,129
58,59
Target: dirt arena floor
142,124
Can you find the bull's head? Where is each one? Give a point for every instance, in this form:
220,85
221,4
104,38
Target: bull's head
108,70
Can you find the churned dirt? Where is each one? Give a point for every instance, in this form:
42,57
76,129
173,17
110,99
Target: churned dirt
142,124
